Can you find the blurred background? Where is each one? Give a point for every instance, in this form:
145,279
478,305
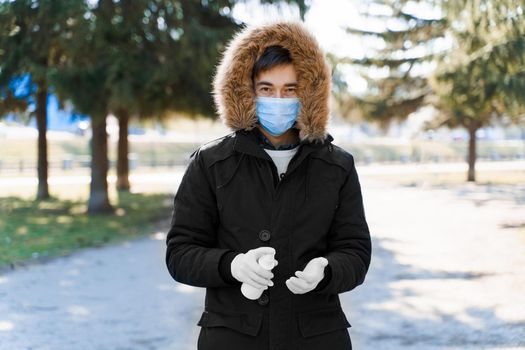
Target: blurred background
102,102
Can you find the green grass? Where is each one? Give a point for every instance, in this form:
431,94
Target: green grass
32,230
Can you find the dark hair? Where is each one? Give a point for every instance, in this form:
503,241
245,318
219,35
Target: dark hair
272,56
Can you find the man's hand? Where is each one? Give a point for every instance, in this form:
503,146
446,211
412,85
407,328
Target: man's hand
246,269
309,278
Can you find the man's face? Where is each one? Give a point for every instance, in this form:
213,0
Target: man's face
279,82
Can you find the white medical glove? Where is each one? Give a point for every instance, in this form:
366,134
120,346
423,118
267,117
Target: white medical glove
309,278
246,269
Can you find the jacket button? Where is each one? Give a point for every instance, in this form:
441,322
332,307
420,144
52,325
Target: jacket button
264,235
282,175
263,299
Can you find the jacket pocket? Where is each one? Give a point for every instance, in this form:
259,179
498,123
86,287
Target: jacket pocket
317,322
244,323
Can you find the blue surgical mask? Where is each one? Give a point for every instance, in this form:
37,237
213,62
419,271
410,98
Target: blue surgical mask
276,115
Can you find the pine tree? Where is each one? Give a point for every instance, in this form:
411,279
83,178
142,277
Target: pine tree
483,77
30,34
478,77
81,78
150,44
408,46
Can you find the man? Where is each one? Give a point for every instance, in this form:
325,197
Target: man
275,185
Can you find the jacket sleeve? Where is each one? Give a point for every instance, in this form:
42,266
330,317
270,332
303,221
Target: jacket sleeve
225,267
349,244
191,255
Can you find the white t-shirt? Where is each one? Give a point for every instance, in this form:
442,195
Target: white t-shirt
281,158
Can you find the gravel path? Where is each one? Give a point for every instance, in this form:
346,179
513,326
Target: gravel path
447,273
118,297
447,270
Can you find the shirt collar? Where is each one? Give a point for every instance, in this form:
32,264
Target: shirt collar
264,142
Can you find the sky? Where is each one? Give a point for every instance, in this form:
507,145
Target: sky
325,19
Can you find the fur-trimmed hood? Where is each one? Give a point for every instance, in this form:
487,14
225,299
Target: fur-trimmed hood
232,86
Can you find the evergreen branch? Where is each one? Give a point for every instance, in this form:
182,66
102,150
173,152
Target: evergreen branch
386,62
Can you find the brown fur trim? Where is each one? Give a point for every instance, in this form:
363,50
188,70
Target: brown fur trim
232,86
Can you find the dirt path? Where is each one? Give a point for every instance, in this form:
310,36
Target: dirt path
113,298
447,272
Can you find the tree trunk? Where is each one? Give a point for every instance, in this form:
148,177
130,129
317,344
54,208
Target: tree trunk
122,151
98,196
473,126
41,120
